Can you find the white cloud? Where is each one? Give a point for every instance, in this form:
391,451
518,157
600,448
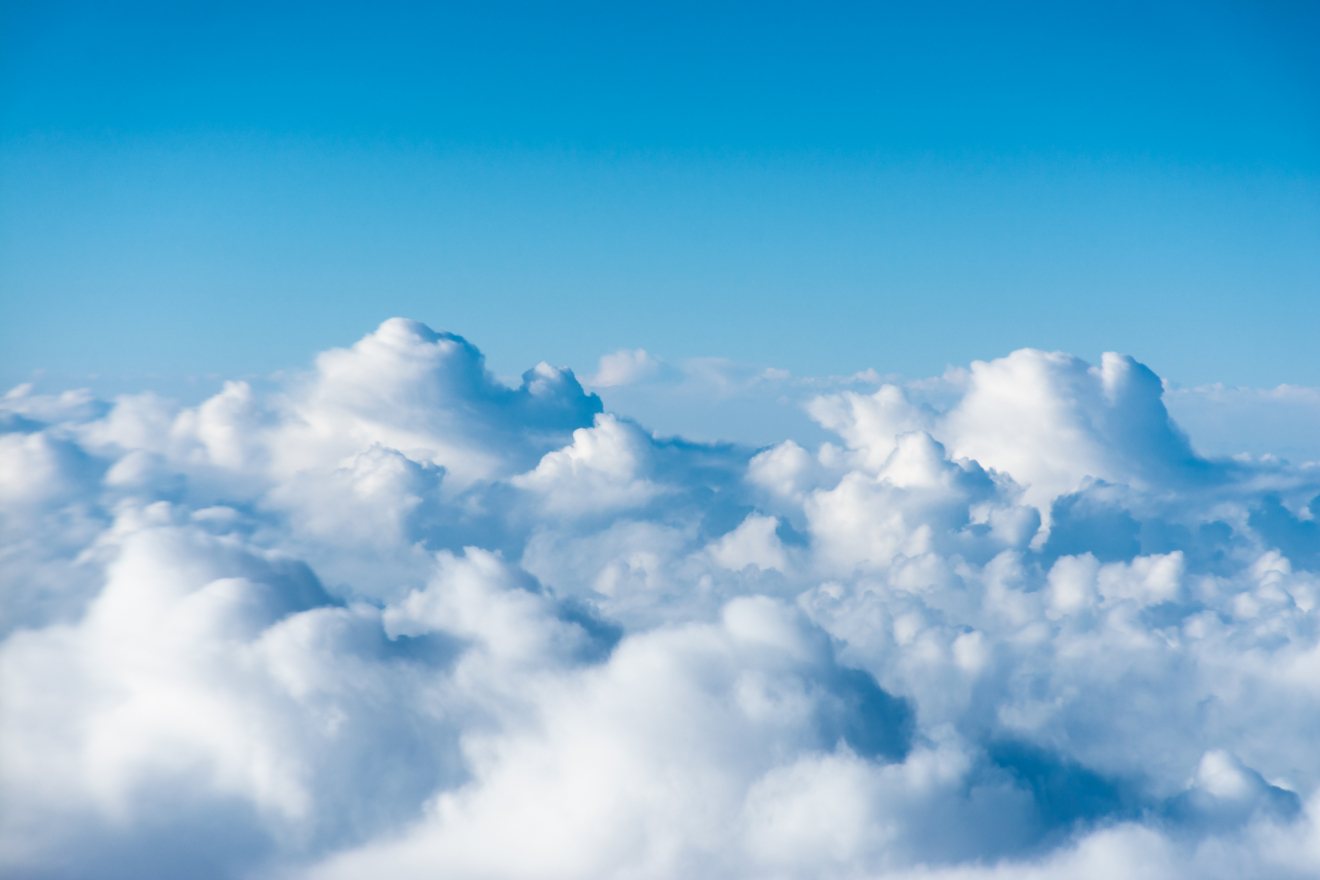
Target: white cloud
624,367
605,469
400,619
754,542
708,398
1049,420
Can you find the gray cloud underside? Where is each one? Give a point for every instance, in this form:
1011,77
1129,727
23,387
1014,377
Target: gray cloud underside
402,620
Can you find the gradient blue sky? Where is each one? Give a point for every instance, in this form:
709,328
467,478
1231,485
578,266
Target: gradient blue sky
193,189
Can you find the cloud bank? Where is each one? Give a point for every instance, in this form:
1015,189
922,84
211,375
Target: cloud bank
401,619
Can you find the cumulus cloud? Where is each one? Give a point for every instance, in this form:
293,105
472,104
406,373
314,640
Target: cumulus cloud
397,618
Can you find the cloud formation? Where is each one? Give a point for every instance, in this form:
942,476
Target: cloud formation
625,367
400,619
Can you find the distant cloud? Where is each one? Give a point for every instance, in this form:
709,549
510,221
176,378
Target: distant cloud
1283,422
397,618
624,367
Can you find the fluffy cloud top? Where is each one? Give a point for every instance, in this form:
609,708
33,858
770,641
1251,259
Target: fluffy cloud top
400,619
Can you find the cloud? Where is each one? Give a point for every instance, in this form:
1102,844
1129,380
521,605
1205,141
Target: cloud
709,398
625,367
395,617
605,469
1050,420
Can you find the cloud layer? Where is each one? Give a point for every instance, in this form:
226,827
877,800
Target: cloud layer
401,619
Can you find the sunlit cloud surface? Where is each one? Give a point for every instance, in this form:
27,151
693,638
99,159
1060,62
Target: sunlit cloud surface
402,619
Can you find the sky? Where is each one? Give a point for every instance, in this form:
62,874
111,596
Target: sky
197,191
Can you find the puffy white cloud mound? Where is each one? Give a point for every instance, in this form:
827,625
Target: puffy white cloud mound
402,620
1048,419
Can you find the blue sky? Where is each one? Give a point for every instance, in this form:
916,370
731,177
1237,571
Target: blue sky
194,189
